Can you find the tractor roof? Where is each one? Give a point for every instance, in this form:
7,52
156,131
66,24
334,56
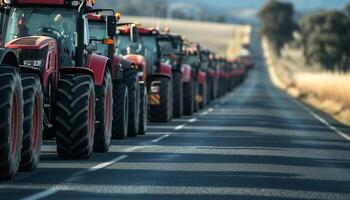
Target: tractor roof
69,3
141,29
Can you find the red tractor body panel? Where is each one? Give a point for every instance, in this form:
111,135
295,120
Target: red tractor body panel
37,43
97,64
202,77
186,73
140,62
165,69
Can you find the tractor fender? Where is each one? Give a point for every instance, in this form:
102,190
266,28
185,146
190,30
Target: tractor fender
140,62
166,69
98,65
202,76
8,58
186,73
211,73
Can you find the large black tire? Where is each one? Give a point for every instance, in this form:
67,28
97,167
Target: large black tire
143,110
133,84
163,111
120,111
209,93
188,98
33,122
75,116
177,95
195,94
104,109
11,122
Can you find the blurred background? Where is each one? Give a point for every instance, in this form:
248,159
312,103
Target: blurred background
230,11
306,43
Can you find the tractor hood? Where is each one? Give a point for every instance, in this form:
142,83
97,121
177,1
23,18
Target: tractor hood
33,42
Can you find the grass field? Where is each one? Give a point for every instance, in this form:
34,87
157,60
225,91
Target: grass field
225,39
326,91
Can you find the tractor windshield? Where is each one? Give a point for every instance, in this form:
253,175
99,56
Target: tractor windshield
58,23
98,32
147,46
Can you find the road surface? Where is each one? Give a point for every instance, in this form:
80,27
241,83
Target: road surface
255,143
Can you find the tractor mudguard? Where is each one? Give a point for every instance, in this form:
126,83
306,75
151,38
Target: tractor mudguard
186,73
165,69
211,73
8,57
98,65
140,62
202,76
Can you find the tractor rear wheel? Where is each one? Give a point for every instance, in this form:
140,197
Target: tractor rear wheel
132,81
11,122
178,95
33,122
120,111
104,106
163,111
188,98
143,110
75,116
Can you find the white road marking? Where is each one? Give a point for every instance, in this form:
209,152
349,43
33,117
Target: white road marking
180,127
42,194
106,164
160,138
192,120
210,110
323,121
52,190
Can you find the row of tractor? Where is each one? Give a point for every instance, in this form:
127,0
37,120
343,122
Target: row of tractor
73,73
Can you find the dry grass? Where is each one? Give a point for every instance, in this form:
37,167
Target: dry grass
221,38
326,91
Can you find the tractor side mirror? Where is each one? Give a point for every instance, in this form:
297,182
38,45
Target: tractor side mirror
134,34
111,26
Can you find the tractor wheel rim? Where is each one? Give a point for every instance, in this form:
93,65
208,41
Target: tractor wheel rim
14,124
90,114
36,122
108,104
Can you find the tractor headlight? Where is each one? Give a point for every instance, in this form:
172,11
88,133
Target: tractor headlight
33,63
155,89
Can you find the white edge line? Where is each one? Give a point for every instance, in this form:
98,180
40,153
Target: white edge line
160,138
323,121
52,190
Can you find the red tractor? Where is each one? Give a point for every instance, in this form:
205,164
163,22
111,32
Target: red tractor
140,45
61,78
173,51
198,75
133,120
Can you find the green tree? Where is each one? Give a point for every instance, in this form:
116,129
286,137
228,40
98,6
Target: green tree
277,23
325,39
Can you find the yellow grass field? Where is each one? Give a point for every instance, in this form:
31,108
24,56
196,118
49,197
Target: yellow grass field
224,39
329,92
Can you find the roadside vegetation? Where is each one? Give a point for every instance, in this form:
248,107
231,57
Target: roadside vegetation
314,64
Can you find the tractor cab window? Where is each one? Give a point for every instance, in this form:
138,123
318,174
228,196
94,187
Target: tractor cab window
98,32
57,23
147,47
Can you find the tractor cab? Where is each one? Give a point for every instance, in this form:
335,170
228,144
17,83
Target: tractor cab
134,39
36,27
171,46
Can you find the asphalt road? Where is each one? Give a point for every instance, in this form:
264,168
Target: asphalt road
255,143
